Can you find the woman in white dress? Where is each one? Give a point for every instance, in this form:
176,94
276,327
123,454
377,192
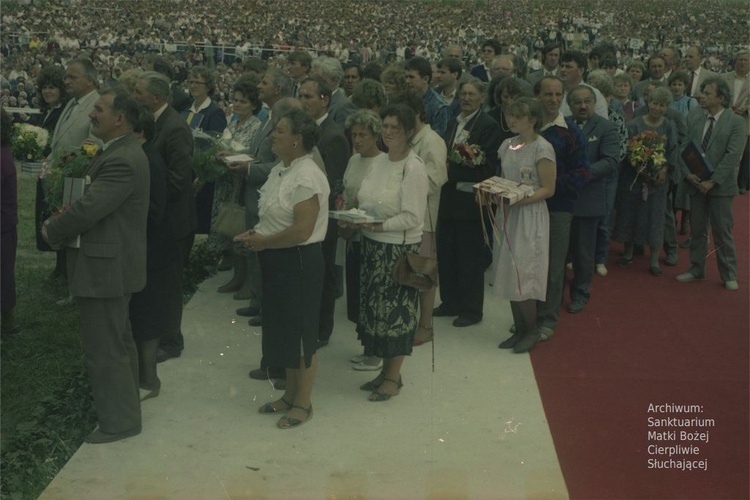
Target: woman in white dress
523,239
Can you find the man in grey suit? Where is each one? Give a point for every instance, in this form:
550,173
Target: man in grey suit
274,89
174,141
721,135
74,127
329,69
604,153
110,264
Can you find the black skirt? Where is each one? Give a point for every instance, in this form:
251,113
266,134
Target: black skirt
292,280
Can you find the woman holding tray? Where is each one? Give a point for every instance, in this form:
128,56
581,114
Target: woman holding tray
522,230
396,189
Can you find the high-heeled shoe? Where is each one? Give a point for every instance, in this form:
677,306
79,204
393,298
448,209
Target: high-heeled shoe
423,335
290,422
378,396
268,408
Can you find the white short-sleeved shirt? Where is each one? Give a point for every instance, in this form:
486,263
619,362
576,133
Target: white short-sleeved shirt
287,186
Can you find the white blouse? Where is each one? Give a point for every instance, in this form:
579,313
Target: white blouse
287,186
396,191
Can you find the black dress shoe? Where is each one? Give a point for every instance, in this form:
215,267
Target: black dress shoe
441,310
462,321
511,341
685,244
248,312
655,270
162,355
99,437
261,374
255,321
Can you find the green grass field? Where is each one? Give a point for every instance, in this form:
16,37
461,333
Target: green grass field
46,408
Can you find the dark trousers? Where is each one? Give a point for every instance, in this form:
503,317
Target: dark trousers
548,312
463,257
172,340
111,361
352,280
8,244
328,299
583,250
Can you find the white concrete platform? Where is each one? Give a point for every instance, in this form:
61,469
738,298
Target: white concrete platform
473,428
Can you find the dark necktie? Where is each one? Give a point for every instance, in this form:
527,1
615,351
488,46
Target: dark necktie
707,135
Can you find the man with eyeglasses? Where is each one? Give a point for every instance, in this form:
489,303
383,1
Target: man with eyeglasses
490,48
74,126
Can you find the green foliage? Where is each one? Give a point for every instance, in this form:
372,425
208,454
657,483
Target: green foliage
45,398
203,259
28,142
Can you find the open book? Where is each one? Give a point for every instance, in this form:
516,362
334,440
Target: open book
508,190
354,215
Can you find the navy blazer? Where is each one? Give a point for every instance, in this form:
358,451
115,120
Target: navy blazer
461,205
604,153
335,151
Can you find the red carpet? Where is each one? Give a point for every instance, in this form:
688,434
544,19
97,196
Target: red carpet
644,340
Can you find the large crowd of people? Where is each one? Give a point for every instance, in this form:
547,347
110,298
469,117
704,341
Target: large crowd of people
589,125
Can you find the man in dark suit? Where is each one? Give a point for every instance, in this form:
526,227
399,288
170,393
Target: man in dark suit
110,264
174,141
604,154
315,96
461,248
179,99
721,135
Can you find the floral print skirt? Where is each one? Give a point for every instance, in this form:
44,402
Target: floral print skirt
388,311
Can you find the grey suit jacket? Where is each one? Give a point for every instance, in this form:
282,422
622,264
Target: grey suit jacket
724,149
340,108
702,75
76,128
257,174
537,75
742,99
111,219
174,141
604,154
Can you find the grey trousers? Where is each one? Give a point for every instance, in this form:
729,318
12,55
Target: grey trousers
548,312
111,361
716,211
